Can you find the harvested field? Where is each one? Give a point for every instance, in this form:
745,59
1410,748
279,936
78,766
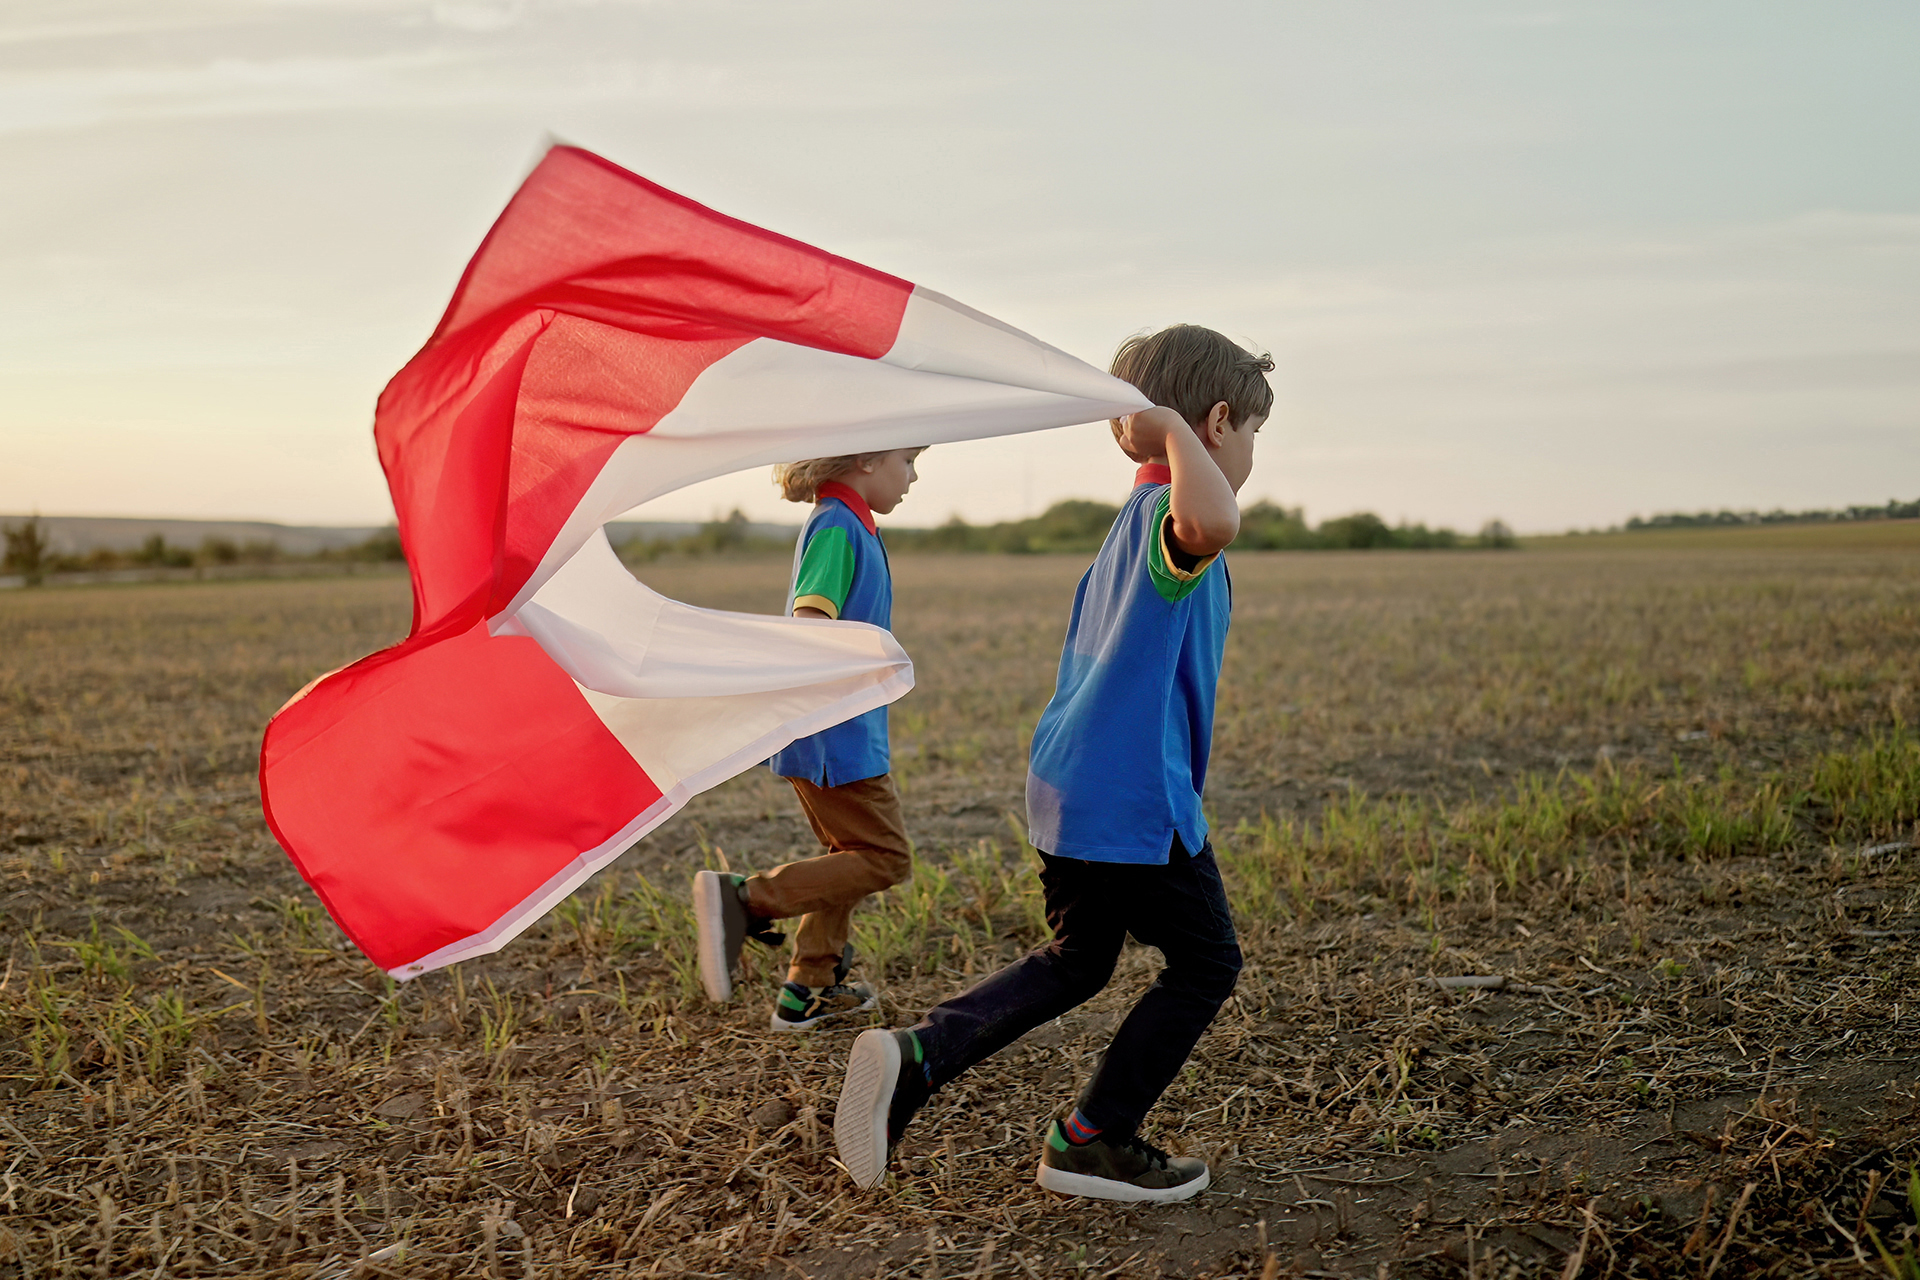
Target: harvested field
1660,801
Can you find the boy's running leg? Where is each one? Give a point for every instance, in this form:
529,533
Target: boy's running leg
887,1081
823,953
867,851
820,944
1184,915
1180,909
892,1073
1089,928
724,922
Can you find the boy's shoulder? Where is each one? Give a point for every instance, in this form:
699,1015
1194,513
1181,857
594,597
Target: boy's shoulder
831,522
839,507
1139,547
1135,523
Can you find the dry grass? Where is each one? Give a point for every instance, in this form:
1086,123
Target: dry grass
1664,797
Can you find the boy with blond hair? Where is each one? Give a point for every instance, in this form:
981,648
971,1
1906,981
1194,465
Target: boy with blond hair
1118,763
840,774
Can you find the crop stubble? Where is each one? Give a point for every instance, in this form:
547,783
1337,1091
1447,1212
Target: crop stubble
1639,786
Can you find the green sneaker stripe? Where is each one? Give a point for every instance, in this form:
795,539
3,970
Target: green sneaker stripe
1056,1139
788,1000
919,1054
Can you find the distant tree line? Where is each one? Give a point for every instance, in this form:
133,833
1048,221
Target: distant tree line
1267,527
30,554
1893,510
1080,525
716,537
1074,525
26,551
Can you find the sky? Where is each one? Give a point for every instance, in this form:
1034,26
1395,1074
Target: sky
1556,264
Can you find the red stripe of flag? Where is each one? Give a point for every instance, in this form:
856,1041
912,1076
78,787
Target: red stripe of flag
592,305
432,787
425,798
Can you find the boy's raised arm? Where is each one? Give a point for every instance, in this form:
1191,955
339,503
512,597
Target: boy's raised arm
1206,514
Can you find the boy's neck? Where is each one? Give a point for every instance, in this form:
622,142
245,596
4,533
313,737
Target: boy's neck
855,501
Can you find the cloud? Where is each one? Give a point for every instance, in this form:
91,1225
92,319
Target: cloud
480,17
225,59
1541,271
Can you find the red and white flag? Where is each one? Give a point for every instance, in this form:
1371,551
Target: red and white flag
610,342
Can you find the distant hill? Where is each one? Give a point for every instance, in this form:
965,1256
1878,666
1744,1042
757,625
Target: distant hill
78,535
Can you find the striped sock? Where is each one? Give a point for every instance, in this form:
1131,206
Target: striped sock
1078,1131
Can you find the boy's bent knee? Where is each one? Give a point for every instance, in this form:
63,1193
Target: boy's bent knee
1231,962
892,865
1086,973
1209,975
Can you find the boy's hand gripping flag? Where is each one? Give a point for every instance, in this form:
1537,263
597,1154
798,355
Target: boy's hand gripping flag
610,342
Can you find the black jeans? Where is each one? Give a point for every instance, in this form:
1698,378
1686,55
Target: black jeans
1179,908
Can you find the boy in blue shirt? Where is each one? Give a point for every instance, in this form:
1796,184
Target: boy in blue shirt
840,774
1118,762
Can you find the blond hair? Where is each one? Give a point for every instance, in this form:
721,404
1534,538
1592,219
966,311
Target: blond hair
800,481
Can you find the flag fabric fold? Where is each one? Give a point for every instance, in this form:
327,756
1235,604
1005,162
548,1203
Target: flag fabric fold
610,342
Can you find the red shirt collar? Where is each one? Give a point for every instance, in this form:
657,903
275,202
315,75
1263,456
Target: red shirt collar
1153,473
854,502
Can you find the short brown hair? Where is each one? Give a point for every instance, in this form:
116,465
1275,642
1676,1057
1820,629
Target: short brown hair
1189,369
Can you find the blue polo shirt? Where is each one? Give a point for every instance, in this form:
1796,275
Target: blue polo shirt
1120,754
840,568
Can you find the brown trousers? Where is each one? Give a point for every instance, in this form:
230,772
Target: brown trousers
867,851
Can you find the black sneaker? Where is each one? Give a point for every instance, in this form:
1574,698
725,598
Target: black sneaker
1122,1169
720,912
801,1008
887,1082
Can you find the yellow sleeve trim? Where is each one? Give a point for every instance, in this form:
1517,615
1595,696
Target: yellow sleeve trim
821,603
1168,551
1169,579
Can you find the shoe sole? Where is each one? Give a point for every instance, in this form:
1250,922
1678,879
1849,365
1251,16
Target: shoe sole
1063,1182
860,1118
779,1023
709,916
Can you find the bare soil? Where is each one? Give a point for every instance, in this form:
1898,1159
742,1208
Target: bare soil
1696,1067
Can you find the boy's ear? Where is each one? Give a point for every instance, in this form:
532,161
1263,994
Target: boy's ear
1214,427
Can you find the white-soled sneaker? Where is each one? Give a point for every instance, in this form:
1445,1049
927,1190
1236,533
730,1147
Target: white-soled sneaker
886,1084
801,1008
724,925
1127,1169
